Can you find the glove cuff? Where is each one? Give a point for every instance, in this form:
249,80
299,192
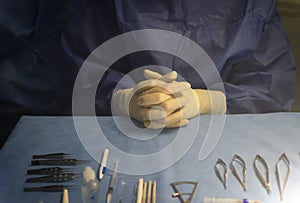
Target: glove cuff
121,101
211,102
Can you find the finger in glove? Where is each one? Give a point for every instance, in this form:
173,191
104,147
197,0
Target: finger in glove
158,125
168,88
170,120
169,77
152,99
164,109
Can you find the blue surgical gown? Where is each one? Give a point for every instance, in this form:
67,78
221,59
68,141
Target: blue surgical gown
44,44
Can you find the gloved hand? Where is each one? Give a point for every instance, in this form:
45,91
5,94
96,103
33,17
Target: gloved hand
157,90
179,107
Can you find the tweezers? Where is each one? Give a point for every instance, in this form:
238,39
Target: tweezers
239,160
222,178
264,181
44,171
283,158
56,178
66,162
51,188
50,156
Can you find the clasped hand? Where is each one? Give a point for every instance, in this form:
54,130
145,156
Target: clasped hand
162,102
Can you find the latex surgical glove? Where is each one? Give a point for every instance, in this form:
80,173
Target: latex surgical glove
188,103
124,102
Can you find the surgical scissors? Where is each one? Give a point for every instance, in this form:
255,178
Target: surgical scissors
238,159
222,178
283,158
264,181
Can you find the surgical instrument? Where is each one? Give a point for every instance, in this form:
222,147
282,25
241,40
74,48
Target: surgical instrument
144,196
149,191
67,162
239,160
179,194
102,168
283,158
139,192
112,183
154,192
59,155
264,181
54,178
222,178
45,171
65,198
227,200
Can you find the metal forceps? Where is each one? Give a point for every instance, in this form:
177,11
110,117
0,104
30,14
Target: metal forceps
239,160
59,155
283,158
222,178
48,171
55,178
264,181
66,162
